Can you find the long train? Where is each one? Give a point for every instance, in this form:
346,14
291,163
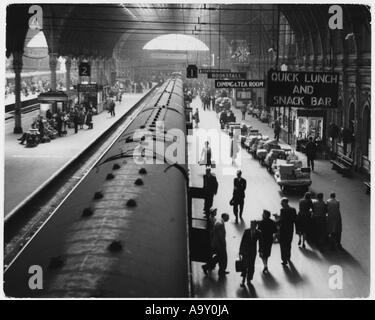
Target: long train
123,231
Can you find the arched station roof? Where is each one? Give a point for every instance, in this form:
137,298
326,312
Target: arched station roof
97,29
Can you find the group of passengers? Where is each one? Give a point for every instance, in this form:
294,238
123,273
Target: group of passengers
317,221
53,125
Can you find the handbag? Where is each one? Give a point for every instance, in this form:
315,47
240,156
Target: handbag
239,265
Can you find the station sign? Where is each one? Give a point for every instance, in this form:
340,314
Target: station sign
213,70
87,87
84,69
317,90
228,75
192,71
238,84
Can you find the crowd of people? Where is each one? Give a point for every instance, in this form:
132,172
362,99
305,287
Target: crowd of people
316,221
49,127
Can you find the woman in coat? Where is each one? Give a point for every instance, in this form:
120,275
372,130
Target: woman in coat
89,119
196,117
334,221
268,229
303,224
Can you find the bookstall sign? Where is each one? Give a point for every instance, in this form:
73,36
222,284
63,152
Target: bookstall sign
229,75
317,90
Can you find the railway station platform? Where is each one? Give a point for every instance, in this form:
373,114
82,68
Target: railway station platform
26,169
309,274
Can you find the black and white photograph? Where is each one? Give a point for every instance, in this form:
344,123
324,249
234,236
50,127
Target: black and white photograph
187,151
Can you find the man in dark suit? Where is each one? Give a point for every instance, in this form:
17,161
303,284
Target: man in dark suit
287,220
311,153
248,251
210,187
219,247
238,194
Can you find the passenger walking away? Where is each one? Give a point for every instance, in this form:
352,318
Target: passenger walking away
211,220
234,147
287,221
310,153
196,117
59,124
206,155
248,252
319,220
75,120
112,106
219,247
303,225
239,187
334,221
277,130
210,187
89,119
267,228
243,111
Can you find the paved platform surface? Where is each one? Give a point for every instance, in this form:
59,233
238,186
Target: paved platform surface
28,168
309,274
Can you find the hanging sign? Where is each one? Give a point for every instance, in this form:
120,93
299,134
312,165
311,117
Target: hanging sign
213,70
302,89
228,75
87,87
84,69
192,71
238,84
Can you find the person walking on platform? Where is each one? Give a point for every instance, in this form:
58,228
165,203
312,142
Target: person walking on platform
219,247
59,124
196,117
223,119
243,111
238,199
234,147
334,221
89,119
287,221
81,117
248,252
310,153
277,130
213,101
112,106
210,187
303,224
319,218
75,120
268,229
211,220
206,155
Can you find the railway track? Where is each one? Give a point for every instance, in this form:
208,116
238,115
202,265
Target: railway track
24,110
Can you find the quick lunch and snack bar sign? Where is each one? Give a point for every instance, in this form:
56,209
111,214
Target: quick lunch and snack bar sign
317,90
